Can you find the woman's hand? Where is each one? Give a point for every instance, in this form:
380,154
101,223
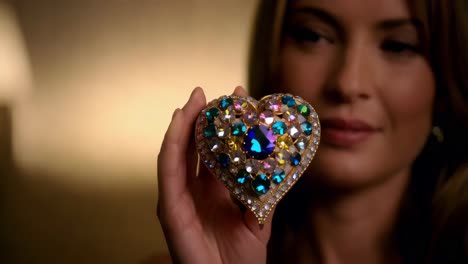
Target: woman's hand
200,221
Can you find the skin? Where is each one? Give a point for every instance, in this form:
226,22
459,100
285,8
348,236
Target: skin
363,66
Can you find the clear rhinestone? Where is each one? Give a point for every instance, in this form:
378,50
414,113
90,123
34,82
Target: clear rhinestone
252,166
250,118
238,157
269,165
267,117
215,145
294,132
301,119
227,115
301,143
290,115
274,105
222,131
240,105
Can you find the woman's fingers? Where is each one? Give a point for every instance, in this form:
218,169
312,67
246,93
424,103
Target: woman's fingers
172,160
240,91
193,111
261,232
169,179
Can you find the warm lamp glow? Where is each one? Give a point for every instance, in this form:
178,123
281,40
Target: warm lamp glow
14,70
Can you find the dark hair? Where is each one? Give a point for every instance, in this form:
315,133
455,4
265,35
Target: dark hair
434,219
449,59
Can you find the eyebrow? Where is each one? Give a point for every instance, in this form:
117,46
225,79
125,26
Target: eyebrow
321,14
400,22
330,19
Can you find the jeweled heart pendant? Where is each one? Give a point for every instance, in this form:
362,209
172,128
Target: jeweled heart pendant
258,149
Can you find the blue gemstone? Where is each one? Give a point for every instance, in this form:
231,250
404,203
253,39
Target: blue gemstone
279,128
210,131
295,159
212,114
261,184
243,176
238,129
225,102
278,176
223,159
303,110
306,128
259,142
288,100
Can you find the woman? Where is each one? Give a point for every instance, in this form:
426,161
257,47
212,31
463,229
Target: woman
382,189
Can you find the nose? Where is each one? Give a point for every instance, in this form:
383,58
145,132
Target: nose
351,76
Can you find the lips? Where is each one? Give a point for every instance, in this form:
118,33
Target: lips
346,133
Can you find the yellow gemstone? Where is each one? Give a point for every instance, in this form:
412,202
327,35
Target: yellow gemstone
234,143
282,157
284,141
244,104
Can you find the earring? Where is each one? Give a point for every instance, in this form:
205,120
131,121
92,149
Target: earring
438,134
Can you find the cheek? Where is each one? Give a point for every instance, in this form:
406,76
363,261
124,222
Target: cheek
408,104
410,95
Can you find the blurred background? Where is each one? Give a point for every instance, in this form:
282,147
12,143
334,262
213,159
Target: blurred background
87,89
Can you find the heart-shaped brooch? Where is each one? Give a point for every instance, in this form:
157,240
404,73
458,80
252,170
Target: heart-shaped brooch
258,149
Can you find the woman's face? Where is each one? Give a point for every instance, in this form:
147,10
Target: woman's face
360,64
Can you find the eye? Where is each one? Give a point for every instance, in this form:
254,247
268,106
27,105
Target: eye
305,35
399,47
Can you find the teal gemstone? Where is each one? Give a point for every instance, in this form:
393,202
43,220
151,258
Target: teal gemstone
288,100
223,159
259,142
225,103
306,128
243,176
303,110
261,184
295,159
238,129
210,131
279,128
212,114
278,176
